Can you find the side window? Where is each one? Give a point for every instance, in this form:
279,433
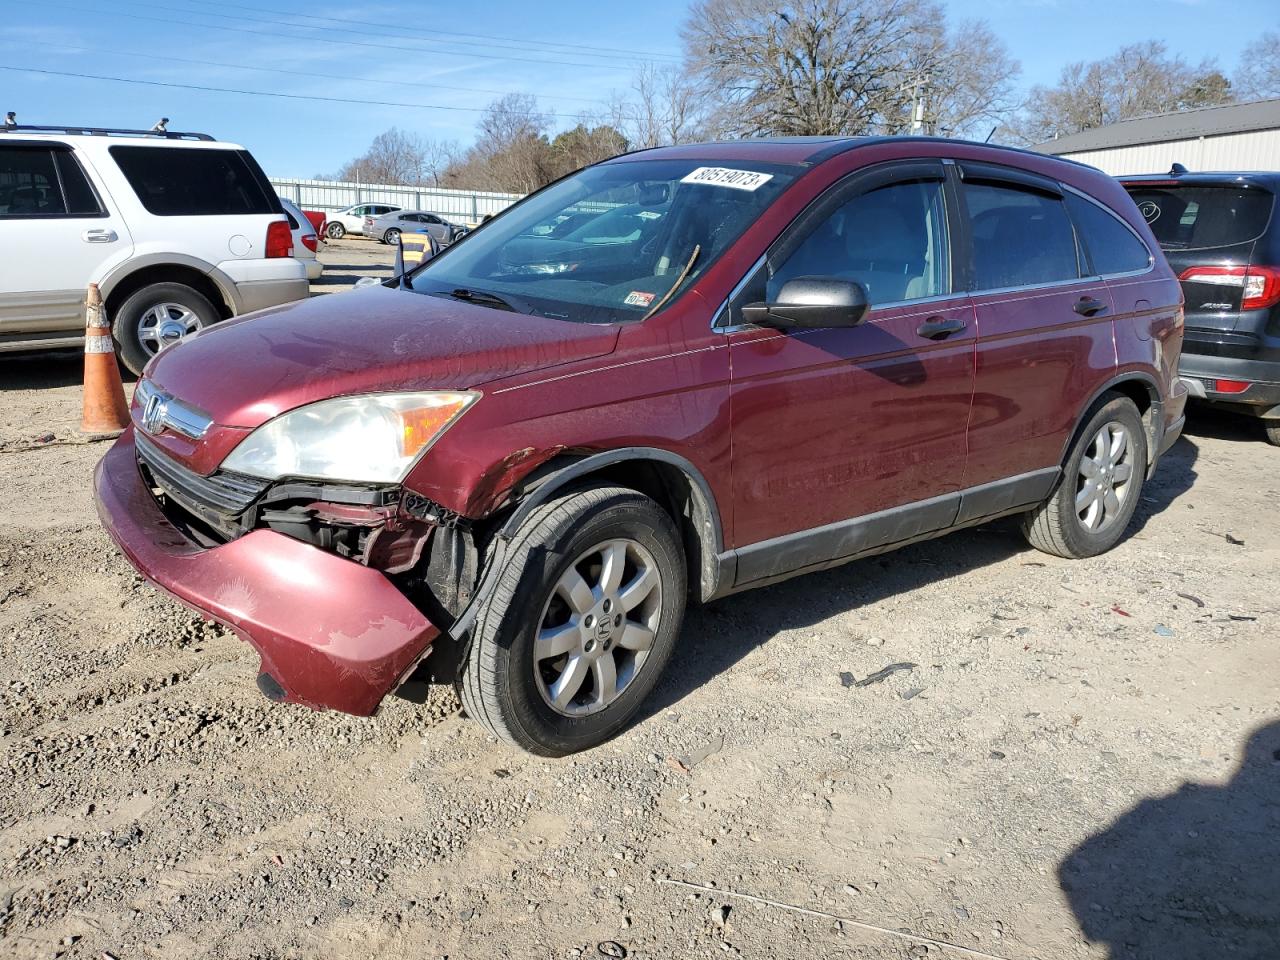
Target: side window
1020,237
185,182
81,199
892,240
29,183
1112,247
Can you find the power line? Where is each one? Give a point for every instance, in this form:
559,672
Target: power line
276,35
268,93
447,33
152,57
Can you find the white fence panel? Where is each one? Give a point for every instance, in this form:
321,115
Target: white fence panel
332,195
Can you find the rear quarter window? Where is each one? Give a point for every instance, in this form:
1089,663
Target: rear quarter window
1196,216
1110,245
182,182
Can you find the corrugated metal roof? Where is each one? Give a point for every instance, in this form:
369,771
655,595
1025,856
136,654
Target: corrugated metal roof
1162,127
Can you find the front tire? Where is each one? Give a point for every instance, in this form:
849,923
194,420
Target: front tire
158,316
1091,507
335,231
580,624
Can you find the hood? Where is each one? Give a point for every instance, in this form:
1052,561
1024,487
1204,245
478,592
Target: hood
245,371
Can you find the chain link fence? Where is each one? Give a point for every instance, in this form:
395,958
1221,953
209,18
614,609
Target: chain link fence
331,195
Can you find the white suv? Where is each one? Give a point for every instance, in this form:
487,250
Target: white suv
351,220
178,230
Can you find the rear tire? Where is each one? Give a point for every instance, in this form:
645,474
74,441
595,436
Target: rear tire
1271,430
186,307
335,231
1091,507
392,236
552,669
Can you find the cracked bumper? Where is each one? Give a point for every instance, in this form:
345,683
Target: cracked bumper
331,633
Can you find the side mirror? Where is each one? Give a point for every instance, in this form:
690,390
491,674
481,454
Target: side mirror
812,302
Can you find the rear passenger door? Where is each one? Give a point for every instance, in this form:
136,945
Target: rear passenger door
831,425
1044,329
56,235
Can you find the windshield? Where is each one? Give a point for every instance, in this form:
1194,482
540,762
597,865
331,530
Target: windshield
1191,217
610,242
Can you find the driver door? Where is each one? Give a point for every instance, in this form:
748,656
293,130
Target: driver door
844,438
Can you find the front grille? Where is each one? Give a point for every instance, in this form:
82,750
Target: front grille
218,500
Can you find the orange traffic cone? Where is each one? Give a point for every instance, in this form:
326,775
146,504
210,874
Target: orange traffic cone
105,412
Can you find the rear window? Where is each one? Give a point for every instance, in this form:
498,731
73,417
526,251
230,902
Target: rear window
1191,217
1020,237
182,182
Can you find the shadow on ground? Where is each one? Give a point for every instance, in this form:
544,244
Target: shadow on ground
38,371
717,636
1194,875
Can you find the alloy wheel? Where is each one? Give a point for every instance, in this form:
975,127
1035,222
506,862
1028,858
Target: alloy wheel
1105,477
597,627
165,324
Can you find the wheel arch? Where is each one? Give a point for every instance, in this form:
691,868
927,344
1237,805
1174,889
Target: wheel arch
671,480
1143,389
199,276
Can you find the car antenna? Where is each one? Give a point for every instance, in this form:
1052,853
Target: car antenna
10,120
400,259
1177,170
162,126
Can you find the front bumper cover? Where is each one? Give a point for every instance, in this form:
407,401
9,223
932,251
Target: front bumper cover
331,633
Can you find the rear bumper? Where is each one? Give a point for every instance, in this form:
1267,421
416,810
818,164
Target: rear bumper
330,632
1261,397
314,268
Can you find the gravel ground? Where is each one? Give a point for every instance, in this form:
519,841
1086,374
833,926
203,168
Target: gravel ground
1082,760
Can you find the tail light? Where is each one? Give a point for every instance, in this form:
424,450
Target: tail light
309,241
1259,286
279,239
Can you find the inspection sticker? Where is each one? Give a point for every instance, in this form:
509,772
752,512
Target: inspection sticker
638,298
725,177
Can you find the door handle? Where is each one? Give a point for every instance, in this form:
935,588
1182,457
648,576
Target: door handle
99,236
938,328
1088,306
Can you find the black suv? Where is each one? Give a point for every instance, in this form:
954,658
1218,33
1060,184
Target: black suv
1222,240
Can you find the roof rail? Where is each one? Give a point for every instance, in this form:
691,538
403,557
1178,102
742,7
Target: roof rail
11,127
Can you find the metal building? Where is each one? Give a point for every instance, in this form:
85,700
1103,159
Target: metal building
1236,136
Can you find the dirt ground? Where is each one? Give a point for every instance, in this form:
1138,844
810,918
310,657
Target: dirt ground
1082,760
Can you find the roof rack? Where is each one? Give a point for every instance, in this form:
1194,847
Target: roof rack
11,126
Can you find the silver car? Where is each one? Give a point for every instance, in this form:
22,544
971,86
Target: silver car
388,228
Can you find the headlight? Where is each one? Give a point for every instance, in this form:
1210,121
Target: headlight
373,439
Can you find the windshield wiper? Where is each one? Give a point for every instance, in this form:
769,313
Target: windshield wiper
514,304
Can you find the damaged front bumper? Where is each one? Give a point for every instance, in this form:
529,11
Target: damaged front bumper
331,632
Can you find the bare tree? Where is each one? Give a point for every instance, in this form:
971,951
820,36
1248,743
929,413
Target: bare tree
665,109
511,143
439,156
1258,76
843,66
396,156
971,83
1137,80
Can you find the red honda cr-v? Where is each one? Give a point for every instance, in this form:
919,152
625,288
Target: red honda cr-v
683,372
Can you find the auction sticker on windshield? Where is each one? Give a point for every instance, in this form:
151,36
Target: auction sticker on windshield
726,177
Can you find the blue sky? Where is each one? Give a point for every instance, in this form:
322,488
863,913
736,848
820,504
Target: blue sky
570,54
